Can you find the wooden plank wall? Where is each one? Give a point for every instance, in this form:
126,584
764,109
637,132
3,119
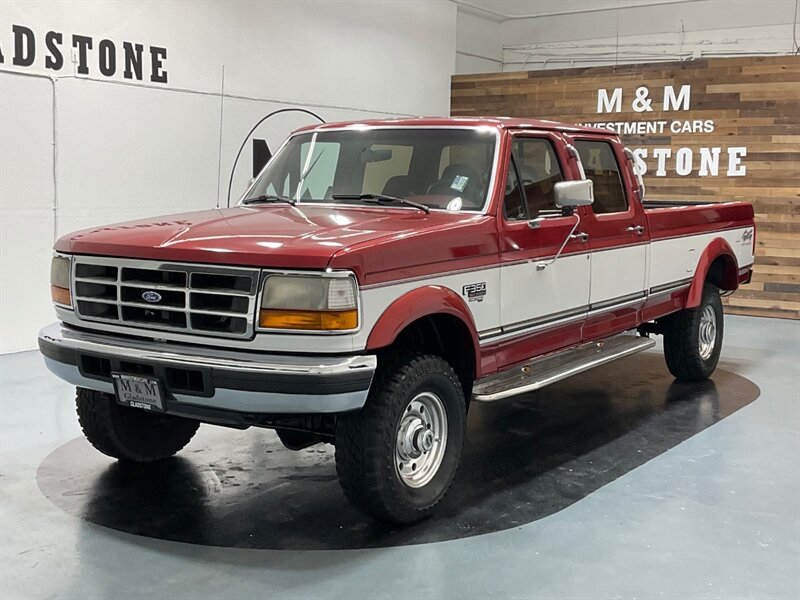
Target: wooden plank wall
754,102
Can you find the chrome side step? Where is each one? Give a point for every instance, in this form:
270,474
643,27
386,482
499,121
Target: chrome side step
540,372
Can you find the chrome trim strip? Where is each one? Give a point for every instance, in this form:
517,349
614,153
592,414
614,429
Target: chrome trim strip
489,333
198,356
234,400
273,402
544,326
555,319
611,307
618,301
514,327
672,286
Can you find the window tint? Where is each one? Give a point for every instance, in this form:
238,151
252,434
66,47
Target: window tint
460,174
539,171
387,169
319,169
443,168
514,204
600,165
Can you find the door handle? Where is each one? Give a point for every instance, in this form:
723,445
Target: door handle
637,229
582,236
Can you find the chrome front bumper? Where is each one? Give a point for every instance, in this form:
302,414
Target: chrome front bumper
210,378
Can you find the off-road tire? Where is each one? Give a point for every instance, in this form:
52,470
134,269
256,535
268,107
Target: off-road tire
682,339
130,434
365,440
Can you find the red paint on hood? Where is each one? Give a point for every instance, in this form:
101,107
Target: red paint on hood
280,236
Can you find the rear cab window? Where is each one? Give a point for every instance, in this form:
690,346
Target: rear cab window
601,166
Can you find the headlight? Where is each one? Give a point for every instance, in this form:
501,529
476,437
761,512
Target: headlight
309,302
59,280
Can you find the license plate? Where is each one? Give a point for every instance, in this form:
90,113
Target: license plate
138,392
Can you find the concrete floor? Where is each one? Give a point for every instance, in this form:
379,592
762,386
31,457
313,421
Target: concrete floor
716,516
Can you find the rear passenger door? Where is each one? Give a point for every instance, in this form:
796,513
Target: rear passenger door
618,239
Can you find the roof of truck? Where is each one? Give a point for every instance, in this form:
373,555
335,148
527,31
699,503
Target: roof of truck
493,122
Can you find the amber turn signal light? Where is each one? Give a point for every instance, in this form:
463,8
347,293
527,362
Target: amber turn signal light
319,320
60,295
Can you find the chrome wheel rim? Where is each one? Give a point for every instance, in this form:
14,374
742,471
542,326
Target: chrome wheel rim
421,440
707,337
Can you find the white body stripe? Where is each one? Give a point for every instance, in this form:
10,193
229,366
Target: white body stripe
527,293
518,292
618,272
675,259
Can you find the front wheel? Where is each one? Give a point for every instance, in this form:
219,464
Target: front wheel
130,434
693,338
398,456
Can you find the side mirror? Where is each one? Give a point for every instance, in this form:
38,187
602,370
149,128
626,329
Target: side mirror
571,194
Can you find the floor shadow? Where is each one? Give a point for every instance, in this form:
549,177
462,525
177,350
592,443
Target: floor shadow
524,459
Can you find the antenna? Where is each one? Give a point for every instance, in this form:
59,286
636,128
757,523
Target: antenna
247,137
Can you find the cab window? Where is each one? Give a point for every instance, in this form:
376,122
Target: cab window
320,169
388,169
600,165
514,204
538,171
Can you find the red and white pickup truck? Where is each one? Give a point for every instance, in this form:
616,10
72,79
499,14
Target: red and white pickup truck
375,279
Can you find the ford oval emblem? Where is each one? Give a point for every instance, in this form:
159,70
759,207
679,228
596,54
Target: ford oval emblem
151,296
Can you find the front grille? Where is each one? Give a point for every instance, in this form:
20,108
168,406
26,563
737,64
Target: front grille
197,299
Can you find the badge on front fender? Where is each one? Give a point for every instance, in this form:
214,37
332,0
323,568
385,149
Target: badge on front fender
474,292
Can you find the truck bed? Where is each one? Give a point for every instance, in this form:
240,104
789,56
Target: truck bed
670,218
669,202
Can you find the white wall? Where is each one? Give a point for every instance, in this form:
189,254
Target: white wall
128,150
648,34
478,45
549,34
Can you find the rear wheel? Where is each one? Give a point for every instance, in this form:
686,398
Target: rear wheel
130,434
693,338
398,456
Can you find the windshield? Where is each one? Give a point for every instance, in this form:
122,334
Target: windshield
439,168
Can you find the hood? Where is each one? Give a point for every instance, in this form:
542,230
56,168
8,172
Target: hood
272,235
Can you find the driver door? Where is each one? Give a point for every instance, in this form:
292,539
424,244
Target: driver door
543,303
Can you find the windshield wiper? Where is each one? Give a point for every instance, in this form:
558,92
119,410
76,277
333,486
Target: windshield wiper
264,198
380,198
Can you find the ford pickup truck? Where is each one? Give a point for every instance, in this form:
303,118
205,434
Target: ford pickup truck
374,280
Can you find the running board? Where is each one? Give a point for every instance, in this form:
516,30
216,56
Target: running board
540,372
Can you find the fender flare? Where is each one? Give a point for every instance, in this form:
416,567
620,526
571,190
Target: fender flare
718,247
416,304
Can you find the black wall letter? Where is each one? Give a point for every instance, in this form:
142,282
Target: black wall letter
82,43
108,57
24,46
157,74
54,60
133,60
261,155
